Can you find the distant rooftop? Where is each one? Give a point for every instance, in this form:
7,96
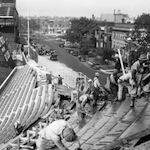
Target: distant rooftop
107,17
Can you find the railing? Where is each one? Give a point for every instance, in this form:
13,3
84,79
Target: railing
6,81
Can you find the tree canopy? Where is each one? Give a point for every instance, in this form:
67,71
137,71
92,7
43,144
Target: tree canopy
142,29
143,22
82,31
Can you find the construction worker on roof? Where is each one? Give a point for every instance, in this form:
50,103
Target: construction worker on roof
97,86
54,133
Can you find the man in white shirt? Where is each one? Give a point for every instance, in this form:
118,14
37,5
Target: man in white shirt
97,86
55,133
127,81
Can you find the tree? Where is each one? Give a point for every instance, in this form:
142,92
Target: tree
106,53
82,31
33,24
142,29
81,27
85,45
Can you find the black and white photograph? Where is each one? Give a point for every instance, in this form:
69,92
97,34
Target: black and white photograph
74,75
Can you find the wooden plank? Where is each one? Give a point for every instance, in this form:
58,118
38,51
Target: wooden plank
6,105
40,91
17,99
4,122
12,103
23,113
30,111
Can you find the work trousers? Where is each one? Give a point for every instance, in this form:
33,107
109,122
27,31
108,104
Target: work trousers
120,89
132,90
43,144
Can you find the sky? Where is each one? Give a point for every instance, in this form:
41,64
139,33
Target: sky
81,8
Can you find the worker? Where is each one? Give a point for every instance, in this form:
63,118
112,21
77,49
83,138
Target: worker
60,80
54,133
97,87
137,70
114,83
126,80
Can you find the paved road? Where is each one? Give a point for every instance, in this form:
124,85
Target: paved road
71,61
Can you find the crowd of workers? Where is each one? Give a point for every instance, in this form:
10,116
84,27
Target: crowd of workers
136,81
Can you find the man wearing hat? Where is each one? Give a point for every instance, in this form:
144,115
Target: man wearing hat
54,133
137,70
139,64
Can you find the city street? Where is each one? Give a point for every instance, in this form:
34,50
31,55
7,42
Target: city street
71,61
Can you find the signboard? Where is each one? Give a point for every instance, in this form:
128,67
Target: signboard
6,53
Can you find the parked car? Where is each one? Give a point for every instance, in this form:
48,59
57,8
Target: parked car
82,58
91,54
75,53
41,52
96,64
53,56
61,45
69,50
47,51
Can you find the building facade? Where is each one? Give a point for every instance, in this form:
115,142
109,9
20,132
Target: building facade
119,34
55,25
103,35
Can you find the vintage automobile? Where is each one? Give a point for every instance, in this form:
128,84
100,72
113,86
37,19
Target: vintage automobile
69,50
96,64
41,52
53,56
47,52
75,53
82,58
61,45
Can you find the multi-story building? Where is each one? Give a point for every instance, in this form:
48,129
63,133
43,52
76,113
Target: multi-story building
9,29
9,19
112,32
119,33
55,25
103,35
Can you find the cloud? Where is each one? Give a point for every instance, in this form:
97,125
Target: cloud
77,8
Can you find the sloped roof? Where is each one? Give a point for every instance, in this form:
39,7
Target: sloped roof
21,100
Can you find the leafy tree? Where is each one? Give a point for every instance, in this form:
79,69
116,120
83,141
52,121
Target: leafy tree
82,31
143,21
142,29
106,53
85,45
81,27
33,23
70,36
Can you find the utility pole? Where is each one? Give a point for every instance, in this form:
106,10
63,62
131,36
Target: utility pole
99,39
28,24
